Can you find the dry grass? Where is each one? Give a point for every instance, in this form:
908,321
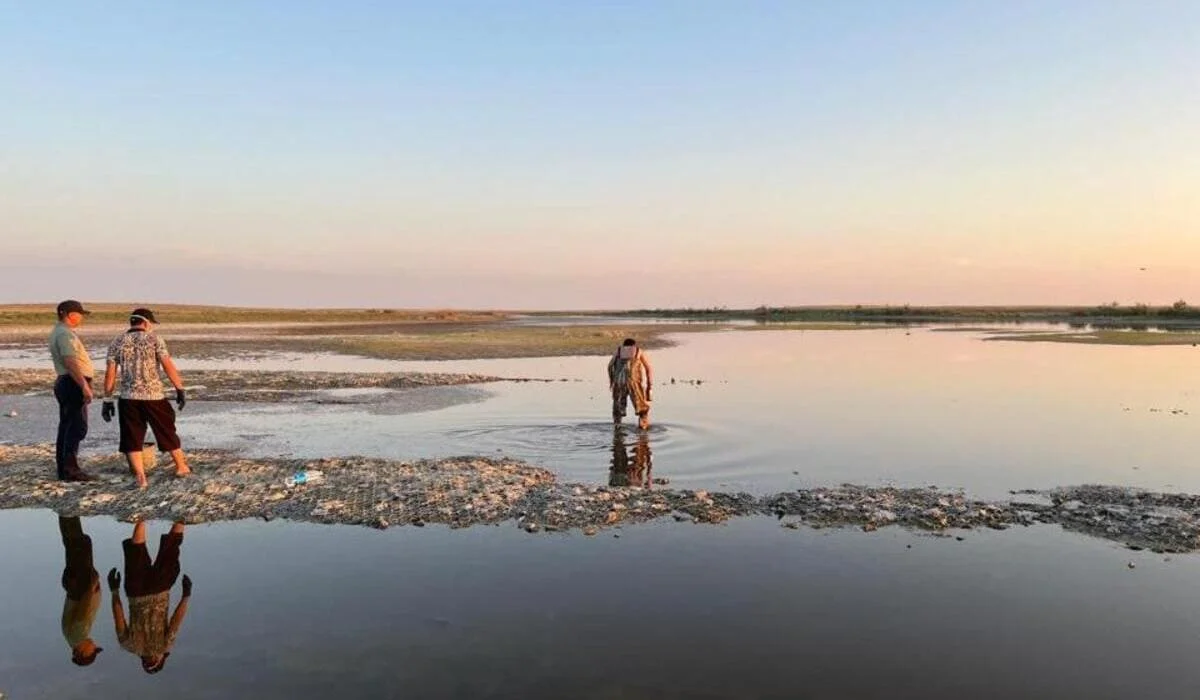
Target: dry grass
176,314
819,326
460,343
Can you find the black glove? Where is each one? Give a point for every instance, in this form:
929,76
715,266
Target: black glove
187,586
114,580
180,398
108,410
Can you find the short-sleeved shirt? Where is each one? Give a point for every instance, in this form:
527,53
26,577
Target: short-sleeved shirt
78,615
65,343
149,632
137,355
623,370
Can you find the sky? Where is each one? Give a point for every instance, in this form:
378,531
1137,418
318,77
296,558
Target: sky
600,154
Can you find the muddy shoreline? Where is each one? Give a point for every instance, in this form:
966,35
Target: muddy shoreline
468,491
270,386
464,339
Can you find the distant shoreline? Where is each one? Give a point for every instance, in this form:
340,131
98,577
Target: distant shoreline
408,334
1114,315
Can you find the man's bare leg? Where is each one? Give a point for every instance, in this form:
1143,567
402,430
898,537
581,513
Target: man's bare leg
139,532
135,466
181,465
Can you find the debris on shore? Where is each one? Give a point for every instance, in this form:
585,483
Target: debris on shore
466,491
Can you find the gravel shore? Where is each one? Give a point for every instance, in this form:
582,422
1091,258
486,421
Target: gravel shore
466,491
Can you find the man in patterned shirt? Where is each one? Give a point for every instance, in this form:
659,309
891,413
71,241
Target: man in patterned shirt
151,629
136,356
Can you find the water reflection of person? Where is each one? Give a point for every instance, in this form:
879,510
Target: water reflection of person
150,634
630,469
82,584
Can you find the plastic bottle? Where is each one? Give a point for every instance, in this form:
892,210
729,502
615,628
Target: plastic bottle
301,477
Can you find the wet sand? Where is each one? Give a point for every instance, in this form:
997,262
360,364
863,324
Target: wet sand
257,386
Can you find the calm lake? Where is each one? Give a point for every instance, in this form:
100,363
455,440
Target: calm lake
667,610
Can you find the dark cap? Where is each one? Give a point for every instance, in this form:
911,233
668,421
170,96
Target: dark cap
66,307
143,313
86,660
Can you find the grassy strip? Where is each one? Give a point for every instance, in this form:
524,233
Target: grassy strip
1104,337
1179,314
476,343
43,314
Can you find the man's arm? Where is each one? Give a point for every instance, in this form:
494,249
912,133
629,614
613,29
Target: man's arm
177,617
118,614
114,587
110,378
180,610
168,366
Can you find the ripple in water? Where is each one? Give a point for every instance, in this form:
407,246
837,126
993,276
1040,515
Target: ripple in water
686,454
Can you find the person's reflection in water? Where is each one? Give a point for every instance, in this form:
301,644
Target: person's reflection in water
82,584
150,634
627,469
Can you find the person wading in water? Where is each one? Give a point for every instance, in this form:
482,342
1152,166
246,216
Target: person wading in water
630,378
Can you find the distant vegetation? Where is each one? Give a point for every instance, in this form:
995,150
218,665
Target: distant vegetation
42,314
1106,315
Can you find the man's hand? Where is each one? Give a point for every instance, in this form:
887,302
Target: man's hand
87,393
180,398
114,580
108,410
187,586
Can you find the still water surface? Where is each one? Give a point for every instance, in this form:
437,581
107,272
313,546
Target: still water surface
784,409
743,610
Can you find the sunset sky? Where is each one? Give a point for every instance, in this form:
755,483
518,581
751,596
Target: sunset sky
551,154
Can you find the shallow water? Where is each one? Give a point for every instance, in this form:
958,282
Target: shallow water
746,610
782,409
778,410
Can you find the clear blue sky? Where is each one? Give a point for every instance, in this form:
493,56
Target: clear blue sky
599,154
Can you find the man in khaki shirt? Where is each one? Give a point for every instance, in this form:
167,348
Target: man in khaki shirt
82,584
72,389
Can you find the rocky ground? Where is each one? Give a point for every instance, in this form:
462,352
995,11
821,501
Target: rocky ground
467,491
263,386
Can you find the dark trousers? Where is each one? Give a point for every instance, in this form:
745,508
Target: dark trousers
79,574
143,577
72,425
